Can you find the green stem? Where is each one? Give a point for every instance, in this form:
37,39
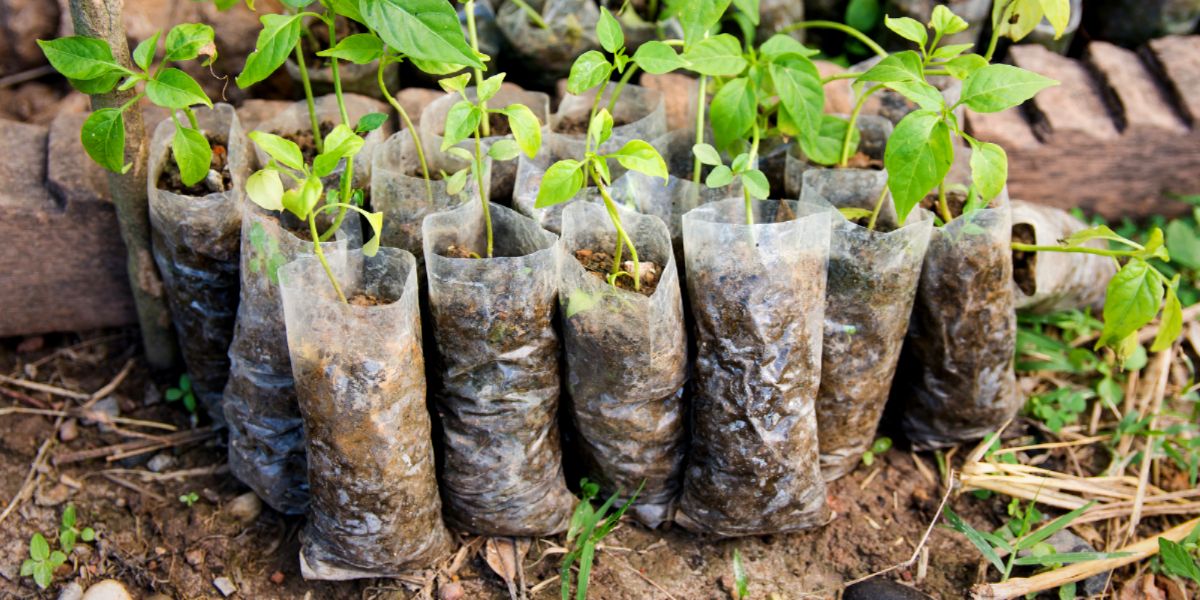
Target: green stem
622,237
878,209
1078,249
531,13
943,206
348,173
487,212
191,115
991,50
625,77
751,164
408,124
701,97
312,227
837,76
587,146
844,157
308,97
470,8
842,27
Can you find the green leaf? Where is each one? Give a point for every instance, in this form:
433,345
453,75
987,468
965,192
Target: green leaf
489,87
360,49
461,122
456,182
1132,301
989,169
66,539
917,158
38,548
371,247
421,29
265,189
1183,244
739,575
348,9
756,183
1098,232
909,29
657,58
975,538
748,8
600,127
341,143
185,382
281,149
370,122
863,15
27,567
640,156
579,301
504,150
57,558
997,87
798,84
901,66
174,394
525,128
852,213
608,31
826,147
99,85
1177,561
924,95
43,574
88,534
455,84
275,43
953,51
189,403
103,137
188,40
720,176
700,18
1058,13
300,201
143,54
1054,527
69,516
718,56
588,71
175,89
192,154
560,183
780,45
732,111
707,154
79,57
1171,324
961,67
946,22
1062,558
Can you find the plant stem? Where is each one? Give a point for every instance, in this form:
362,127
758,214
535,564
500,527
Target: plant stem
470,8
878,208
312,227
191,115
842,27
622,237
348,173
592,115
991,50
701,96
531,13
1080,249
943,206
408,124
612,99
308,97
752,163
487,212
844,157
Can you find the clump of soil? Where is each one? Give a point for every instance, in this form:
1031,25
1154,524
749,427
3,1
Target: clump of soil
456,251
219,178
308,146
600,264
577,123
1024,263
862,160
361,299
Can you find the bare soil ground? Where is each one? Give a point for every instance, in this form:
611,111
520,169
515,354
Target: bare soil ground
154,543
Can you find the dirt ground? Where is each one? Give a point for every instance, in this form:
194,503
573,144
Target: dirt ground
154,543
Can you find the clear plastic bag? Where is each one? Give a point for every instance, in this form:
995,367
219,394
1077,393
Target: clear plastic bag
360,381
294,121
872,281
493,320
626,363
529,180
504,173
546,55
961,341
1046,282
196,241
266,435
874,132
758,296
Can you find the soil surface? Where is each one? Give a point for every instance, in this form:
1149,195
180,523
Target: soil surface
600,264
861,160
1024,263
453,251
366,300
154,543
172,181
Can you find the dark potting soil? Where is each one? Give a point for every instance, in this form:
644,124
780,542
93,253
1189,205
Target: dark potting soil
171,180
600,263
955,201
366,300
577,123
1025,263
861,160
454,251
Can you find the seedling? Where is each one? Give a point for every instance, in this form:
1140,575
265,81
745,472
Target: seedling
588,527
1059,407
881,445
740,579
1178,559
41,563
89,64
189,499
69,532
183,393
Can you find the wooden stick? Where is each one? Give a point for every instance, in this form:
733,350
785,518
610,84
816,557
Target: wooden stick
90,415
183,437
1020,586
19,397
1162,366
43,387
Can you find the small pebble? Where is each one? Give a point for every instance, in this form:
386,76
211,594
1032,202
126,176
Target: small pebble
161,462
105,410
451,591
71,591
213,181
245,508
69,430
225,586
51,495
151,396
277,578
882,589
194,557
109,589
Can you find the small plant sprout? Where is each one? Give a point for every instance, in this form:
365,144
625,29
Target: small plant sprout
183,393
878,447
588,527
41,563
566,178
90,66
1178,559
189,499
740,579
69,532
468,119
265,187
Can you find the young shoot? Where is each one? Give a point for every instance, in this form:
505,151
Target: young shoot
466,120
89,64
588,527
565,178
265,187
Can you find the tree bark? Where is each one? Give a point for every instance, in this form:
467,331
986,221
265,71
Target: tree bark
102,19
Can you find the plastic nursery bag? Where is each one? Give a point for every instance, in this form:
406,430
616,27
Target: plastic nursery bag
872,281
266,436
758,296
639,113
529,180
493,320
1046,282
546,55
398,190
873,136
294,123
195,235
433,125
626,361
963,331
360,381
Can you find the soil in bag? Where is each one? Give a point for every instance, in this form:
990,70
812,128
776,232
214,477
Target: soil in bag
266,435
294,123
360,382
872,281
758,296
626,356
529,180
542,56
493,321
639,113
958,355
873,136
195,230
